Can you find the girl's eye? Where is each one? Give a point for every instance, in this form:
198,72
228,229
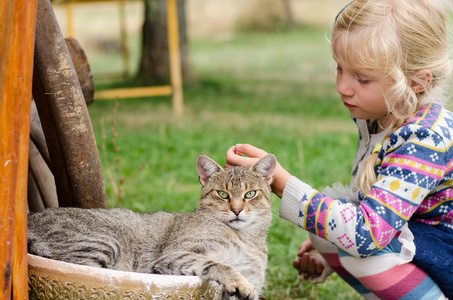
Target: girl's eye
364,80
223,195
250,195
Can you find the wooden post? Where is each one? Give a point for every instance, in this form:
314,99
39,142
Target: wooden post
64,117
6,11
8,171
174,56
14,139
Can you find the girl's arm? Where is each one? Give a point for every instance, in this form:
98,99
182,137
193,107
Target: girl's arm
412,167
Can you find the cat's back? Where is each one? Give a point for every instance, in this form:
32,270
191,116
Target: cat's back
96,237
84,220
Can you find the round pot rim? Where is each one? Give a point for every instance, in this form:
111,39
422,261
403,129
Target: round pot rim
107,276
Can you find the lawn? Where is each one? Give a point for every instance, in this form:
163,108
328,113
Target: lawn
275,90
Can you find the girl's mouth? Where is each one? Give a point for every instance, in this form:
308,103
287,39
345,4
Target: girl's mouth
349,105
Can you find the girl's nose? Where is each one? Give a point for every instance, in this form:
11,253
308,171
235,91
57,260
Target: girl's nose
344,86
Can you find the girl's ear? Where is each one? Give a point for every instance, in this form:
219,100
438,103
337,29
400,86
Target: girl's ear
421,80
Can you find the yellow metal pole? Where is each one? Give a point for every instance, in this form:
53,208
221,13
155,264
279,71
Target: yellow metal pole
174,55
138,92
69,19
123,36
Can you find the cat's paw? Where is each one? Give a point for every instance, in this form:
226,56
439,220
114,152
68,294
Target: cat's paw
241,288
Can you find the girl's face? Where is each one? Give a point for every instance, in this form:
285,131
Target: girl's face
362,90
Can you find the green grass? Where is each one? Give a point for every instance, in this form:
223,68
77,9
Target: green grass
273,90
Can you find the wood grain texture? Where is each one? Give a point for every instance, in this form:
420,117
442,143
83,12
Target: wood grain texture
14,138
64,117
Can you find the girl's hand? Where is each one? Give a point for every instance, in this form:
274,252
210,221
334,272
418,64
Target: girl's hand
234,157
305,263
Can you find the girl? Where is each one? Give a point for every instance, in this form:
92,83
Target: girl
390,234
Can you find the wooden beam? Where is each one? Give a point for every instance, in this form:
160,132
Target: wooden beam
14,142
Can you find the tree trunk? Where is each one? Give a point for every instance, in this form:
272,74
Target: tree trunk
154,68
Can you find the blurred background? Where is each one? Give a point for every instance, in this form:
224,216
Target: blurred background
98,24
254,71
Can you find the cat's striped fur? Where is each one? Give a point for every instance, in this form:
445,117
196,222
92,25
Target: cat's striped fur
223,240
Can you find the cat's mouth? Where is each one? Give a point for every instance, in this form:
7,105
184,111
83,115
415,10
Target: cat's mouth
237,220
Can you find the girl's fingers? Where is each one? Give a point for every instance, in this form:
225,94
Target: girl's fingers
250,150
234,155
311,267
243,161
319,267
304,262
296,263
305,246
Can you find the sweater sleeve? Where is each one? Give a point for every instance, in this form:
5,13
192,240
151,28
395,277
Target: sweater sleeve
409,167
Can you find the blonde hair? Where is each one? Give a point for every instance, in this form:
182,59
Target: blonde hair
398,38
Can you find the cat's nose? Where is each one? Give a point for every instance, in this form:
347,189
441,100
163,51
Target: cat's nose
236,211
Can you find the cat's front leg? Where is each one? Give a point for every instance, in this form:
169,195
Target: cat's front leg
237,285
188,263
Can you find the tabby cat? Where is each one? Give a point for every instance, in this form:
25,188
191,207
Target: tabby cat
223,240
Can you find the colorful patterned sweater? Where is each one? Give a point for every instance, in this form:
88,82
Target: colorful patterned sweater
415,181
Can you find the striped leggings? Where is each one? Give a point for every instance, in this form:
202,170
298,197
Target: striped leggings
379,276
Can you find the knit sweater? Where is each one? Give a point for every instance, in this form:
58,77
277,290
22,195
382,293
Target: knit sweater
415,182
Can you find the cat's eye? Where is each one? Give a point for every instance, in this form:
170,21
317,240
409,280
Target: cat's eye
250,194
223,195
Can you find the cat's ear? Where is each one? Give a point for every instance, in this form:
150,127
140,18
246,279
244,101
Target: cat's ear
266,167
206,168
